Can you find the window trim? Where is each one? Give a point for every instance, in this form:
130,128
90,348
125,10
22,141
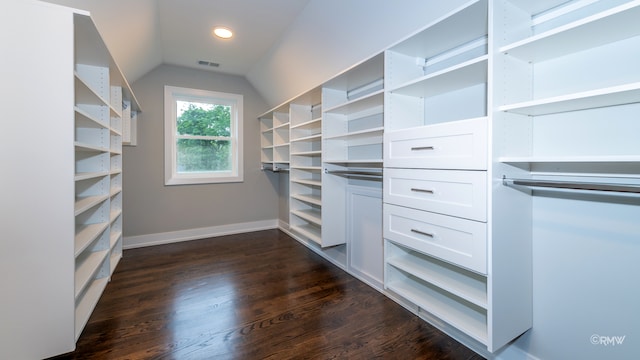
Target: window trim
171,176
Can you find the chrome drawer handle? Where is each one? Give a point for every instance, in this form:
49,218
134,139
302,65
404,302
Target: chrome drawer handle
423,190
422,233
422,148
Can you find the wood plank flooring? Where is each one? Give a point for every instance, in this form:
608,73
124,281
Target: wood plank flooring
259,295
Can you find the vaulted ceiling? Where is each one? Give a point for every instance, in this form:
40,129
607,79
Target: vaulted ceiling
142,34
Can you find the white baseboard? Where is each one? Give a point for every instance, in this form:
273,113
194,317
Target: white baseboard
131,242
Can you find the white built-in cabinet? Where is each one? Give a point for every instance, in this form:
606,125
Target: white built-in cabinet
467,120
87,109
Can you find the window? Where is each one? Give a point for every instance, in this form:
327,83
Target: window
203,136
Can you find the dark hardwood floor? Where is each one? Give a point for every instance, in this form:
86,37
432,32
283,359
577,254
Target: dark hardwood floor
259,295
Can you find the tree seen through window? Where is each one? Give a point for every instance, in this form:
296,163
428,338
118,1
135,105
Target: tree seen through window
203,137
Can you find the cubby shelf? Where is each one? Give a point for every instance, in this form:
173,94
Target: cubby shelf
85,306
611,96
311,199
602,28
364,103
87,269
459,76
85,234
469,319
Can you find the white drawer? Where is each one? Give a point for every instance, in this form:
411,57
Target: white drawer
450,192
458,241
454,145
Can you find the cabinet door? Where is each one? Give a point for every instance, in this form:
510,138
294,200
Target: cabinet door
364,234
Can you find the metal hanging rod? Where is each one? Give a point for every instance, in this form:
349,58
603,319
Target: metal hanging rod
273,168
573,185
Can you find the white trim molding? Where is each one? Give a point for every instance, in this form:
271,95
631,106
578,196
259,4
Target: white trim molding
132,242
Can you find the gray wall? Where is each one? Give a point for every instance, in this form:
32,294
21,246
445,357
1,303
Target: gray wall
150,207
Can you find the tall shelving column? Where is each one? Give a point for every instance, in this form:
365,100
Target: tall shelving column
352,129
274,138
567,98
102,99
305,188
438,254
92,164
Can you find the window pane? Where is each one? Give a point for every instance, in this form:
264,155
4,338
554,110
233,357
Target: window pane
203,155
203,119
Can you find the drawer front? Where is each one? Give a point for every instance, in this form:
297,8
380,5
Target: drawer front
456,145
450,192
458,241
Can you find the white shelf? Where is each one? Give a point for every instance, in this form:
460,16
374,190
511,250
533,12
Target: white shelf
470,321
611,96
466,74
90,148
313,153
113,239
114,259
281,126
362,134
310,215
87,270
115,191
466,285
357,105
85,203
317,183
570,159
86,234
90,175
311,232
88,120
312,124
308,168
113,215
311,199
85,307
308,138
606,27
356,162
87,95
460,26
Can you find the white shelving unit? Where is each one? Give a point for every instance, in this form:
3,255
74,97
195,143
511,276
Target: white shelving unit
305,188
274,138
438,255
457,117
561,48
79,222
352,141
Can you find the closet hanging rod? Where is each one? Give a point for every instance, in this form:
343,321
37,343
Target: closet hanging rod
273,169
573,185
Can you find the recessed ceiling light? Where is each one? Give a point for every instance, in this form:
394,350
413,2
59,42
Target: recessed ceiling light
222,32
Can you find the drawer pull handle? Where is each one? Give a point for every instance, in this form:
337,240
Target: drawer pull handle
422,148
422,233
423,190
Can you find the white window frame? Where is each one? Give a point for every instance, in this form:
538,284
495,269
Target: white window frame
173,94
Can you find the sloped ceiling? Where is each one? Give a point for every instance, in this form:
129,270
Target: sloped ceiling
283,47
141,34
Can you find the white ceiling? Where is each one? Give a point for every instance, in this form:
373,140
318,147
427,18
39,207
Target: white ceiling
142,34
185,30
